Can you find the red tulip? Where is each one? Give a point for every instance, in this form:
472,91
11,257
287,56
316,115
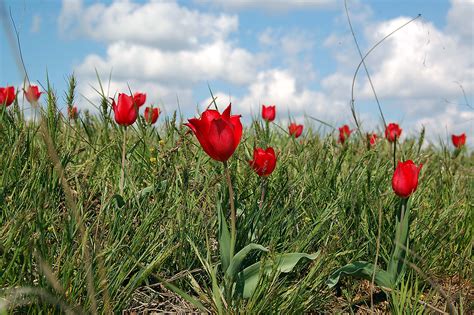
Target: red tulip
139,98
264,161
344,133
7,95
125,110
151,114
268,113
372,139
218,134
72,112
32,94
392,132
295,130
459,141
405,178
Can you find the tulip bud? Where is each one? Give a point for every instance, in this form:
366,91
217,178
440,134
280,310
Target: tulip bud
268,113
264,161
392,132
7,95
32,94
372,138
344,133
72,112
125,110
459,141
151,114
405,178
139,98
295,130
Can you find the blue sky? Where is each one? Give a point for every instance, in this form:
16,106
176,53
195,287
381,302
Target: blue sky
298,55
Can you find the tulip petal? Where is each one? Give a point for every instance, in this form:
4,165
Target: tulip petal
221,140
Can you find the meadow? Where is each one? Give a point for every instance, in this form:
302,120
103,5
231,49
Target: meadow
77,237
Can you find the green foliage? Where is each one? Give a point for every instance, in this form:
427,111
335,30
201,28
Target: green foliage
321,198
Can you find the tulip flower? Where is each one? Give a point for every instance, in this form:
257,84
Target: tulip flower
459,141
295,130
125,110
268,113
151,114
405,178
72,112
372,139
264,161
392,132
139,98
218,134
32,94
344,133
7,95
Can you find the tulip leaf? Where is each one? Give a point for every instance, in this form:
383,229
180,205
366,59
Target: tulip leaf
361,269
237,260
224,239
145,191
397,263
119,199
284,263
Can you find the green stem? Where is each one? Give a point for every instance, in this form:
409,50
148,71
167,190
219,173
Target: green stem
122,173
395,153
262,196
267,132
233,216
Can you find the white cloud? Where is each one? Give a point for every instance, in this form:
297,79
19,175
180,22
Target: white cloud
168,48
460,22
156,23
419,61
414,71
218,60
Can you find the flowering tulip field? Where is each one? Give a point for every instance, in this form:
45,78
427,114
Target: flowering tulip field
129,210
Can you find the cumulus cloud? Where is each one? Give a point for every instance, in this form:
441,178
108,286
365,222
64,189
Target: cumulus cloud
168,48
156,23
414,71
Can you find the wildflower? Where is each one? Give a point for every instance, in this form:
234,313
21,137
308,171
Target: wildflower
139,98
151,114
264,161
32,94
125,110
405,178
7,95
218,134
344,133
268,113
392,132
459,141
72,112
372,139
295,130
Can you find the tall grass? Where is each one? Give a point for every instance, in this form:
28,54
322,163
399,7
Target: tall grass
322,196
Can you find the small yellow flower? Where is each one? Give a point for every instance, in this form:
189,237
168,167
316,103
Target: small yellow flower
153,159
152,149
162,142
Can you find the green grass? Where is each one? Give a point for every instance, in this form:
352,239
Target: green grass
322,197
